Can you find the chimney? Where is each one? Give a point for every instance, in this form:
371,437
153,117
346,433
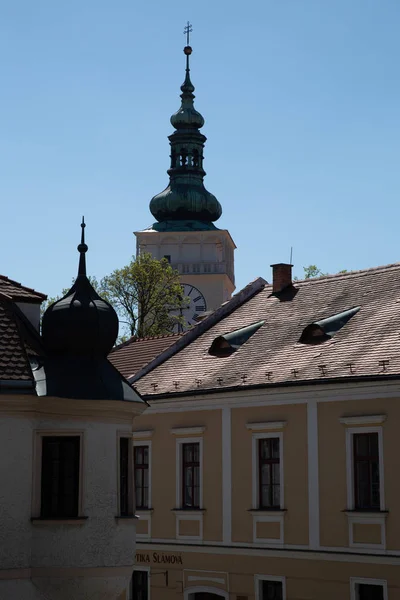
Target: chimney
281,277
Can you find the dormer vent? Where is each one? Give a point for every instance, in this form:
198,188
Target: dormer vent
225,345
325,329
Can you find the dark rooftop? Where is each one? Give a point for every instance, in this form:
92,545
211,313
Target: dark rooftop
366,345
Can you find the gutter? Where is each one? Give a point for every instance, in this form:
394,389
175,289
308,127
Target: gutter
261,386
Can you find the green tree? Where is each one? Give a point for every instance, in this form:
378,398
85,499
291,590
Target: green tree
312,271
145,294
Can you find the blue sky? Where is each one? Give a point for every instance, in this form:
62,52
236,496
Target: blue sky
301,100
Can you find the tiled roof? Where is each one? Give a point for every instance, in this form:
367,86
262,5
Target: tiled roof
19,292
14,364
367,345
134,354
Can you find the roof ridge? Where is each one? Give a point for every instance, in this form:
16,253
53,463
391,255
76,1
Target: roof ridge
24,287
225,309
348,274
134,339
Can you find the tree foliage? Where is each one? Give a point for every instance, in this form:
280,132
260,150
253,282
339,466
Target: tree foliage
143,293
313,271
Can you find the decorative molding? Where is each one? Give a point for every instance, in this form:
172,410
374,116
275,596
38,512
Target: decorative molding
268,519
200,578
72,521
187,430
313,474
360,514
273,396
367,518
226,476
363,420
266,426
189,515
115,411
142,433
267,513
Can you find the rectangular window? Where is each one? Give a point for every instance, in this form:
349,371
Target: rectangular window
124,496
269,483
191,475
366,471
60,476
271,590
141,462
366,591
139,588
167,257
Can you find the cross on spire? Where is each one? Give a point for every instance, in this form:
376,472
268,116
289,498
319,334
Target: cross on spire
187,31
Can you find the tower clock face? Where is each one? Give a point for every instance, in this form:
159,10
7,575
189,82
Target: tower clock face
195,306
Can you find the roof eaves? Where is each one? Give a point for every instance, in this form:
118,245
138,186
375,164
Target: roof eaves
279,384
23,287
237,300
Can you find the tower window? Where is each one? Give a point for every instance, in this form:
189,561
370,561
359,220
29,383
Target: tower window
60,476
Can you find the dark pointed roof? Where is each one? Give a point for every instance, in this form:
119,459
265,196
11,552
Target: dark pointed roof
78,332
185,203
81,323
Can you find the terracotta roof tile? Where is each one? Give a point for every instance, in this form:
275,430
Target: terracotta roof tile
273,355
134,354
13,358
16,291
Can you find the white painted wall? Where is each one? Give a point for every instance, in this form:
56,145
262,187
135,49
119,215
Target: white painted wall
101,541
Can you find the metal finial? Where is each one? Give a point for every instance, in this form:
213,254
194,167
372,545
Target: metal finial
82,249
187,31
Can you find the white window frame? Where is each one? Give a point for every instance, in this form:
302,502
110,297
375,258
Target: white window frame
350,432
255,469
129,592
37,468
354,581
147,443
259,578
179,466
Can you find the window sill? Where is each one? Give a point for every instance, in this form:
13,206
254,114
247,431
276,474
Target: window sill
58,521
367,514
186,511
267,511
126,517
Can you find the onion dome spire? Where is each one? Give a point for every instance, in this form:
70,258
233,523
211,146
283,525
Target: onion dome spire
186,199
81,323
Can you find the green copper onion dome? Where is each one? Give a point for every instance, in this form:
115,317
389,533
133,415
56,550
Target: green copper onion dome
186,198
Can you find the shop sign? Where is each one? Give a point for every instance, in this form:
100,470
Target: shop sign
158,558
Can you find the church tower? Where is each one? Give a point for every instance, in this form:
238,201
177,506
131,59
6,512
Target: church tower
185,213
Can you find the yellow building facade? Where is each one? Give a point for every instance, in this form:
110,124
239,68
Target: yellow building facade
266,463
313,541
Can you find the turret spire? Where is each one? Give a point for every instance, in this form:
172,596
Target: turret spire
185,203
82,249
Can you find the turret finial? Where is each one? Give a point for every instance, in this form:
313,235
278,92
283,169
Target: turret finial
82,249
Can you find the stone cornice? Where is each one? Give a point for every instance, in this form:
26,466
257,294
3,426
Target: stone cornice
102,410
